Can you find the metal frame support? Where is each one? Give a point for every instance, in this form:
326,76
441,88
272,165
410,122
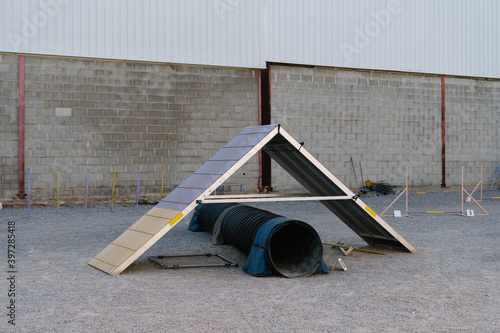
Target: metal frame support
480,185
404,192
226,261
469,195
270,198
469,198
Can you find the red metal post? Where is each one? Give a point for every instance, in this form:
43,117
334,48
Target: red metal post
21,193
260,123
260,97
443,133
265,119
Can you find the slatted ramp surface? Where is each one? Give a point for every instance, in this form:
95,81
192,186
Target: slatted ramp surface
282,147
135,240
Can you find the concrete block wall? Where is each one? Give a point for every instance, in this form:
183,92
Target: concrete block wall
387,121
9,92
473,129
104,115
101,115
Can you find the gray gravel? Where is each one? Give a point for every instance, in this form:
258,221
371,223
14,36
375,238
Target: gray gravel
451,285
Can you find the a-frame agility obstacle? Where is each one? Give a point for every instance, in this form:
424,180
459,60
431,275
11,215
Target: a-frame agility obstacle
290,155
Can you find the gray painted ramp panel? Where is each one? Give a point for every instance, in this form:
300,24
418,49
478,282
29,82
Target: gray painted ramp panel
217,166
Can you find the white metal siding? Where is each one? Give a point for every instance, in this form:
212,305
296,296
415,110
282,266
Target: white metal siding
221,32
454,37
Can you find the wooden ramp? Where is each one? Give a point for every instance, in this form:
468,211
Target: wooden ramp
287,152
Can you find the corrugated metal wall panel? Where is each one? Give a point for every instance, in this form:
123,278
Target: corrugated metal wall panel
455,37
220,32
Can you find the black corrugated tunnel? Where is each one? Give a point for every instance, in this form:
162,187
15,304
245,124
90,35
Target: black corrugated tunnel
292,248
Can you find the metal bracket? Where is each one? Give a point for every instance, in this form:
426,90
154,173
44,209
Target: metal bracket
226,263
346,252
341,263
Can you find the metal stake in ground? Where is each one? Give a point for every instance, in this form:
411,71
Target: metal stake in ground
162,169
138,181
29,194
362,178
355,177
86,191
57,191
113,190
494,178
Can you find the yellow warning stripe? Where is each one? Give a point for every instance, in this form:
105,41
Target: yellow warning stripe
176,219
371,211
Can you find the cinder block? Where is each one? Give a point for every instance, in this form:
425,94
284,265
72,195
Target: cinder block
10,59
5,67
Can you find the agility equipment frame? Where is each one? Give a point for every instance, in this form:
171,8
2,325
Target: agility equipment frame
290,155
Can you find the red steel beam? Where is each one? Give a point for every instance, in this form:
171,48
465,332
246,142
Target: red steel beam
265,119
260,123
443,133
21,193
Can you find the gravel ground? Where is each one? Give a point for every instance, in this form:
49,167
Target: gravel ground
451,285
